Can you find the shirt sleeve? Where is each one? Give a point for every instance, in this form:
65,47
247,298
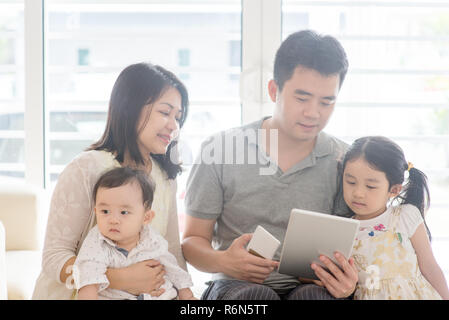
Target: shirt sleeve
410,219
179,277
70,209
204,193
91,263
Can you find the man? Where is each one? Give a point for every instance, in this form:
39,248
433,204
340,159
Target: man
225,202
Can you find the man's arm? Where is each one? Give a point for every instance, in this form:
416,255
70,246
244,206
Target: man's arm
235,262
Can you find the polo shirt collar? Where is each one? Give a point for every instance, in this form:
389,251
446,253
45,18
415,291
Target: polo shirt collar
323,145
107,240
143,237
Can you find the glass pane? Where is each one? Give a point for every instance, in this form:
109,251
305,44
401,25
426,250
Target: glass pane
12,88
397,84
89,43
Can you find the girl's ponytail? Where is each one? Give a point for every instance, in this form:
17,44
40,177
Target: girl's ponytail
416,191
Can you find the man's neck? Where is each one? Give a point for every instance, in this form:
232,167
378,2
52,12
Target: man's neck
290,151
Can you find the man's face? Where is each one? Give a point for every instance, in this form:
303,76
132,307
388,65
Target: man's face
305,104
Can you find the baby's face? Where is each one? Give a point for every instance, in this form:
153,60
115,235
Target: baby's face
121,214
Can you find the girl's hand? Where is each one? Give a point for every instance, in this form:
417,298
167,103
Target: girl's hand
142,277
340,283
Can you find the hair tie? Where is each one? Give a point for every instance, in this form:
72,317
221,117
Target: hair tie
410,165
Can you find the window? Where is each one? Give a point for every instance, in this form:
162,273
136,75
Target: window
223,50
397,84
12,103
89,43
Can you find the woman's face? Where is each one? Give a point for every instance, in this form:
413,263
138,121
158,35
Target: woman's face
162,126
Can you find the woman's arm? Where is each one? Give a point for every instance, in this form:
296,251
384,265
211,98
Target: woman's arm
142,277
66,271
70,210
427,263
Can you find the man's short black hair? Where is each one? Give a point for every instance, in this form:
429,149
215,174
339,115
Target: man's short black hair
121,176
306,48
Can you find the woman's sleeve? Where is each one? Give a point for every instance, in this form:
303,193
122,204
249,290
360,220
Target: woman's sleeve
172,235
70,209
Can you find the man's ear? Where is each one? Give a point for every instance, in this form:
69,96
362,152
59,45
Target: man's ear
149,215
272,90
395,190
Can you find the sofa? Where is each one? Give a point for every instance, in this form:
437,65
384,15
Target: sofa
23,216
3,286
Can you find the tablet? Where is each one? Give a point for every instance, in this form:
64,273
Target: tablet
310,234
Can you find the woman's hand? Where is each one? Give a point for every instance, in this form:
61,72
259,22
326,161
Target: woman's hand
142,277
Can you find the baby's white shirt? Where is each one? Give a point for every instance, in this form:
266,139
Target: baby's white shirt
99,253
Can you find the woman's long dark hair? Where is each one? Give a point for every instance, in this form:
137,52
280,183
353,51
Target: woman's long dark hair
139,85
385,155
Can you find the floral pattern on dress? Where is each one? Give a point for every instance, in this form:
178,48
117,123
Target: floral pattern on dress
373,231
388,267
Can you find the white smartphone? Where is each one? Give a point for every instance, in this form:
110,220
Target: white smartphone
263,244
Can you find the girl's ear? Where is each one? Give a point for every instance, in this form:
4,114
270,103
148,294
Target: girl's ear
149,215
395,190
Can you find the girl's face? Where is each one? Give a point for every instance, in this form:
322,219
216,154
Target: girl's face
366,190
162,126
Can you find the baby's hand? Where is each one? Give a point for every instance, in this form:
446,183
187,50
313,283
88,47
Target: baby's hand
186,294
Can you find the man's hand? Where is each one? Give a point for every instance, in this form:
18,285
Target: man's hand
241,264
339,283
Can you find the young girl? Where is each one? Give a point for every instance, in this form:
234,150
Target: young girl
392,250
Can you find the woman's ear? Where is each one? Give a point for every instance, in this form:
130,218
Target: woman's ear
395,190
149,215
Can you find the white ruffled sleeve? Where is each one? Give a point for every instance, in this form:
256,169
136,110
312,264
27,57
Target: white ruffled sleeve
410,219
178,276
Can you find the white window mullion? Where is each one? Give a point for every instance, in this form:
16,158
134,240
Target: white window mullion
271,29
34,93
261,36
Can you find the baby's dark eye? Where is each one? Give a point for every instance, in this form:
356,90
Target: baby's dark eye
105,211
124,212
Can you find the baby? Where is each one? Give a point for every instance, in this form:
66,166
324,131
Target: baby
122,237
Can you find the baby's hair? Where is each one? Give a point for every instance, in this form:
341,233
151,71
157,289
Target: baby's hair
385,155
121,176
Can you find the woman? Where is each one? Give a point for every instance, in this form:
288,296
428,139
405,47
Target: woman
148,106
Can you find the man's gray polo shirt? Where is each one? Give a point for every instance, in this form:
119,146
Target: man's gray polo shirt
240,198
